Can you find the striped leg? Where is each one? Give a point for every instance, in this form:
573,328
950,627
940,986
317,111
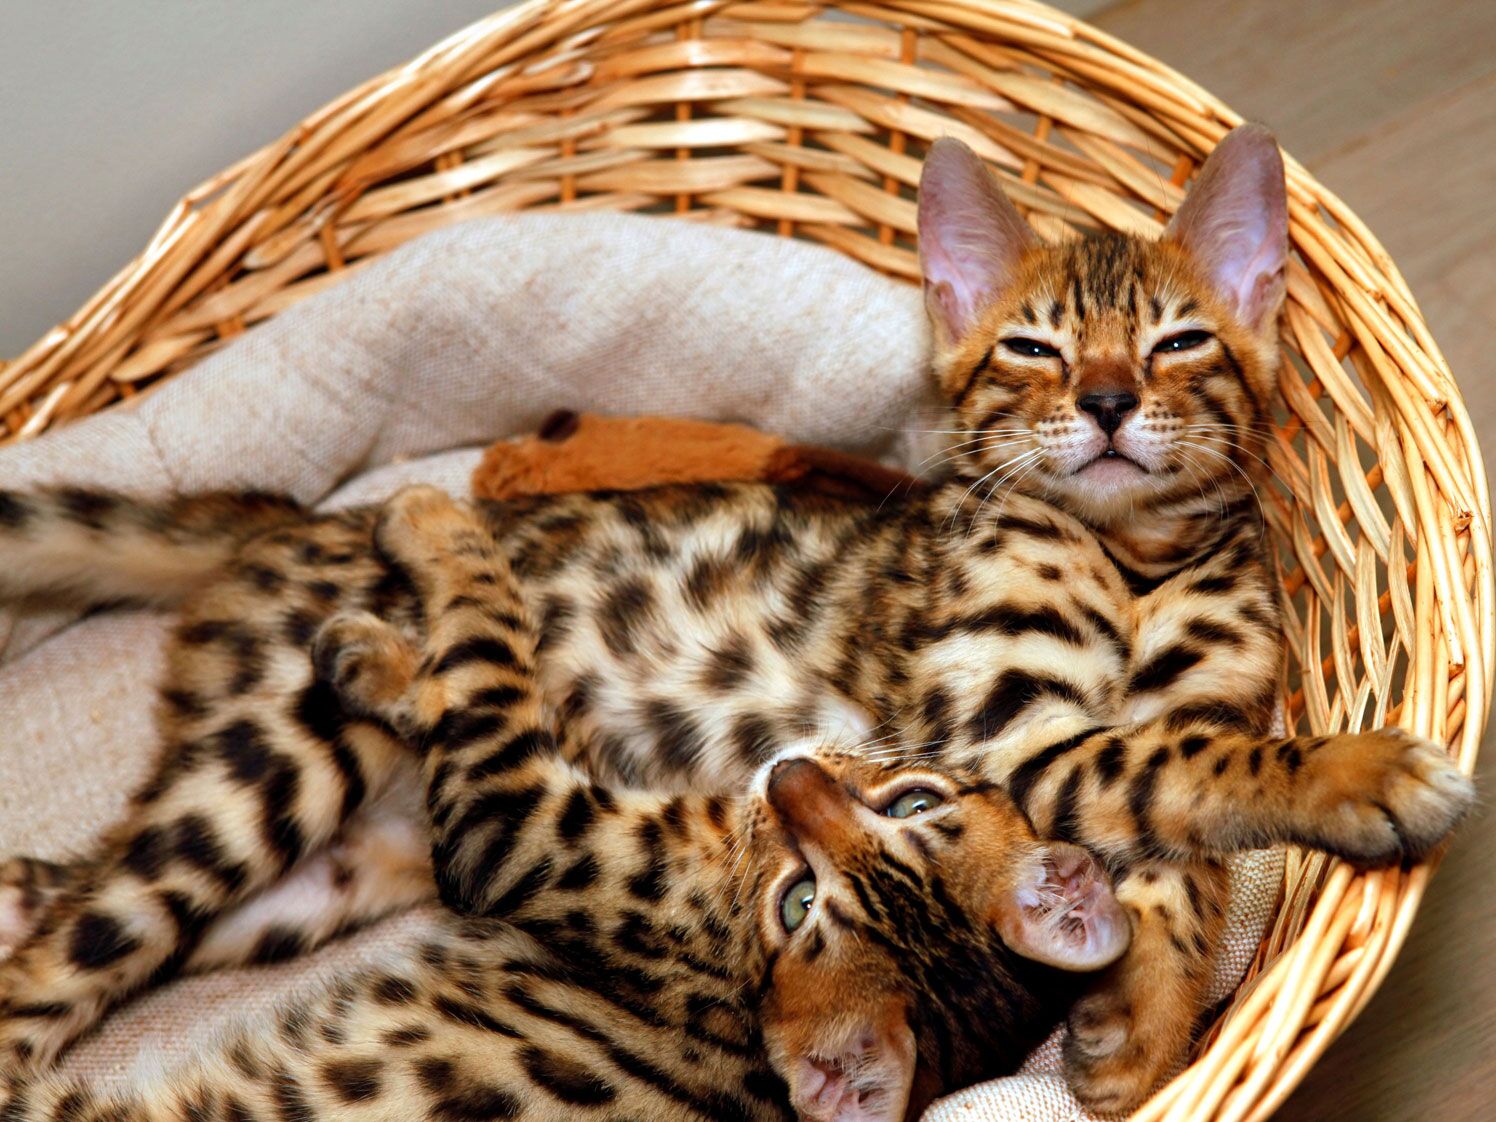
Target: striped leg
1128,1033
473,703
1160,801
236,804
379,863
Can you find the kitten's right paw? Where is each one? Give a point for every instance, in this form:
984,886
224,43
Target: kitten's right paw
27,888
1378,798
367,661
420,524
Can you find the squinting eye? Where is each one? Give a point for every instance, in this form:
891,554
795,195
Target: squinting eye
1184,341
795,905
1030,348
913,802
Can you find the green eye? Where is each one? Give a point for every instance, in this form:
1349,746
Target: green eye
1184,341
795,905
1030,348
913,802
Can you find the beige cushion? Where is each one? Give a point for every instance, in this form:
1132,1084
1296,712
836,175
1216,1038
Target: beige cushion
467,335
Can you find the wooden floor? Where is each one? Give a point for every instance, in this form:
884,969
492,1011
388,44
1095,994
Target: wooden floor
1392,105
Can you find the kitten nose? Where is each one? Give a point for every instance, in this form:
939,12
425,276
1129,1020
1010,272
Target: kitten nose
1108,408
810,804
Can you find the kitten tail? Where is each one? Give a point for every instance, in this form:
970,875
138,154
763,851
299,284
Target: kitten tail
67,546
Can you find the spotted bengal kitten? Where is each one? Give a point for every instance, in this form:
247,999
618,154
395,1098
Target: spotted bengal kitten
660,956
1084,616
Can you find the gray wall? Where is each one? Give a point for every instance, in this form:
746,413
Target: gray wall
111,109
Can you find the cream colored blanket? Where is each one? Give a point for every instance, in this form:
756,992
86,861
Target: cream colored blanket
467,335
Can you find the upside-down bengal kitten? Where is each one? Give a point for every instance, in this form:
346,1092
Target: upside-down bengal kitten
1083,616
660,956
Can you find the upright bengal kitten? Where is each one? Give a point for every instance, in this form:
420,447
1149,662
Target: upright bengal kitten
1083,616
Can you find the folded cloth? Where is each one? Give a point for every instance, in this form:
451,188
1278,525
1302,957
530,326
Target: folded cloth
471,334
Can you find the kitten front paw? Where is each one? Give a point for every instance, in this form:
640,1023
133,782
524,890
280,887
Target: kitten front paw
1112,1061
1383,797
366,661
420,525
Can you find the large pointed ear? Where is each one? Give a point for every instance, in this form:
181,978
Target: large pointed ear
970,237
1061,911
852,1067
1234,223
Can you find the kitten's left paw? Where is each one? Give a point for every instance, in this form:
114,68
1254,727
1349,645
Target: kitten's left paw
1377,798
1111,1060
367,661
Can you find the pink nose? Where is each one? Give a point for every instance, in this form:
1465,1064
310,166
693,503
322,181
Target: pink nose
811,805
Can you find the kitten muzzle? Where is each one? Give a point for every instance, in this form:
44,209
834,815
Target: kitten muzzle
812,806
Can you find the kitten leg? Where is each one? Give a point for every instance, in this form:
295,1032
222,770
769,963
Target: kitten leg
1185,791
378,865
28,887
496,780
1129,1032
1188,792
229,822
260,768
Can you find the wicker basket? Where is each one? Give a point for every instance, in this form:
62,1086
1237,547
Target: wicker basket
809,121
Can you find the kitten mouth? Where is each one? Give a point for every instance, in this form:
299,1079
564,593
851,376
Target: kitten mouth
1111,460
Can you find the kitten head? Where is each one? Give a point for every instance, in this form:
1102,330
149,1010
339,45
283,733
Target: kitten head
1112,375
919,937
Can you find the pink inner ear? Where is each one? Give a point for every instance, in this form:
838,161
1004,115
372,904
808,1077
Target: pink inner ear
1063,912
829,1096
823,1087
970,236
867,1080
1234,222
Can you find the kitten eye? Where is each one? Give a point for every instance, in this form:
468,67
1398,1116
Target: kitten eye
1030,348
1184,341
913,802
795,904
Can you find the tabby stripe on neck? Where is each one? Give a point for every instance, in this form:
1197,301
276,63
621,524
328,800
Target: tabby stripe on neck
1164,668
1140,799
1138,583
1063,823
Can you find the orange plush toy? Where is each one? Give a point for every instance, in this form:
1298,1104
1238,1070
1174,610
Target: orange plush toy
584,452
